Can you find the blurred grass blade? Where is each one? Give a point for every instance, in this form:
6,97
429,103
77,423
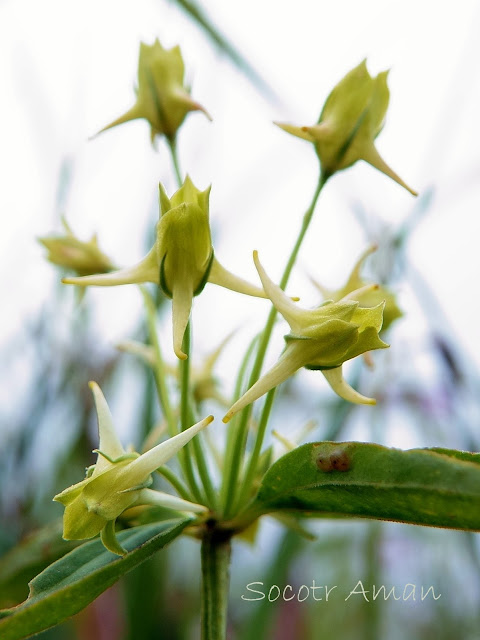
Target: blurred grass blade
439,488
201,19
70,584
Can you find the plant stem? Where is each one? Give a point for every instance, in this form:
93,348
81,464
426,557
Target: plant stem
179,487
185,453
216,551
187,419
242,428
176,165
159,370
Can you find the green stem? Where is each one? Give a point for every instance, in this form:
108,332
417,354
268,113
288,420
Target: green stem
242,428
159,370
176,165
185,453
187,419
179,487
216,552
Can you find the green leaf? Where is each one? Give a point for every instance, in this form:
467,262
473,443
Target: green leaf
71,583
30,556
438,488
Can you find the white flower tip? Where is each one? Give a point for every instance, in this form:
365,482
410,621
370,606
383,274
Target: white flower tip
180,355
294,298
227,417
336,380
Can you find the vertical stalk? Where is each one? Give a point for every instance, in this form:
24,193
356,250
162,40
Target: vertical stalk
216,552
231,482
187,420
176,165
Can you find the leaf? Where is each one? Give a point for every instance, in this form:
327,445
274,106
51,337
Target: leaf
438,488
71,583
30,556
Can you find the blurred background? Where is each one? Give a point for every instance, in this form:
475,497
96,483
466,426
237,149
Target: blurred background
69,68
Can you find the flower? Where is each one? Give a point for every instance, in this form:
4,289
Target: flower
162,98
352,117
67,251
118,481
204,385
323,338
367,297
182,260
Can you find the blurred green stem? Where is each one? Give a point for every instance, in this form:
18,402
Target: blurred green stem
176,165
231,479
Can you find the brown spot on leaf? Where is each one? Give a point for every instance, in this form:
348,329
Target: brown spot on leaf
337,460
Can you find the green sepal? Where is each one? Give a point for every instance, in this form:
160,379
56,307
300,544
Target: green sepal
109,539
204,280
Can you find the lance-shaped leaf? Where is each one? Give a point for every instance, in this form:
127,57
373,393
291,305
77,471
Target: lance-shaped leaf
438,488
71,583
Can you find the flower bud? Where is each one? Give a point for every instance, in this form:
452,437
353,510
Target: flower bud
356,288
83,258
162,98
182,260
352,117
118,481
323,338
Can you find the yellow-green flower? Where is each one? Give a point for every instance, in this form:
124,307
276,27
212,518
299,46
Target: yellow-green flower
323,338
365,295
182,260
162,97
118,481
352,117
83,258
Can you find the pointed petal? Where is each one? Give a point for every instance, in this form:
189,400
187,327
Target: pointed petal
318,132
165,204
132,114
182,298
224,278
154,458
285,367
146,270
139,349
357,293
372,156
109,442
280,300
355,274
336,380
109,539
212,358
299,132
161,499
326,293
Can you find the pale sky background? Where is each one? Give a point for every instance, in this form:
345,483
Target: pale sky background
68,68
